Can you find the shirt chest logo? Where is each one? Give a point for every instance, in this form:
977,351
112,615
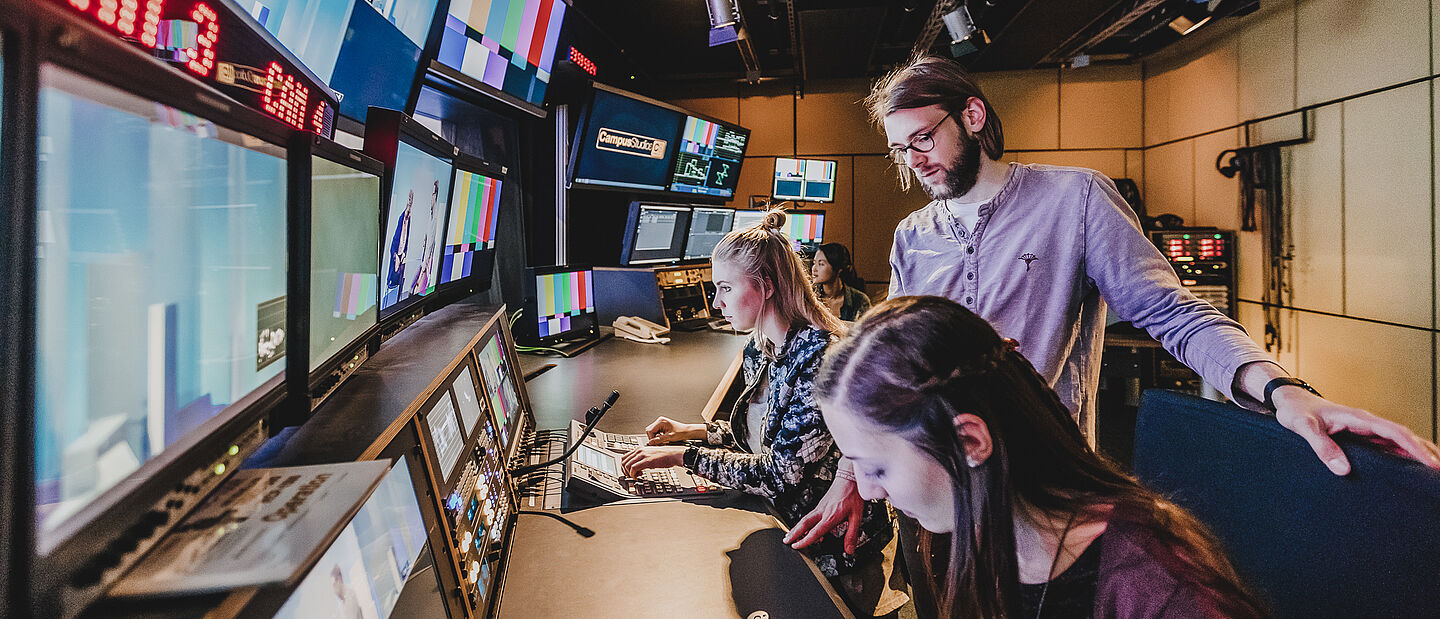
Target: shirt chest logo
1028,257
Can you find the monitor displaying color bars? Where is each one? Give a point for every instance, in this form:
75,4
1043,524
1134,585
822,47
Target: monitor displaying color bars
805,180
806,229
474,212
508,45
561,299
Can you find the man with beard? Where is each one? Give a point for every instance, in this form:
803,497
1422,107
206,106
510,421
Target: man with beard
1038,251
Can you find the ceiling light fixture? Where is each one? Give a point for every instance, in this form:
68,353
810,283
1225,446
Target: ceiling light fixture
1184,26
724,21
965,38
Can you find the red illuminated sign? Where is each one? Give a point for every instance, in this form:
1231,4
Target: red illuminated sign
123,15
581,61
284,98
202,56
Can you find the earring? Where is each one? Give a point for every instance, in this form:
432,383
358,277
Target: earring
971,462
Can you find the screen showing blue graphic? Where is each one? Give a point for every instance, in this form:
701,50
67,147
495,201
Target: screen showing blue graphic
627,143
313,30
379,59
161,269
414,223
708,158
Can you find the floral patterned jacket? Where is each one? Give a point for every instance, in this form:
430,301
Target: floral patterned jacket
798,458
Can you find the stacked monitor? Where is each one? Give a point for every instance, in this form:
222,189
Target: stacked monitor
655,233
804,180
625,141
707,226
708,158
414,221
469,244
745,219
503,47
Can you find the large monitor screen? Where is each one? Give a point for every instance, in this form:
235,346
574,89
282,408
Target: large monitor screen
508,45
344,256
363,572
379,60
745,219
313,30
562,299
468,401
807,180
413,224
445,432
161,270
708,158
806,229
473,214
657,233
628,143
707,227
498,380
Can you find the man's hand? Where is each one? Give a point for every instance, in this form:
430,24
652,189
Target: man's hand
1314,418
666,430
651,458
840,505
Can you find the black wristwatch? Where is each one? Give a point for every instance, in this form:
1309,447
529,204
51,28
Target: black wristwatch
1277,383
691,453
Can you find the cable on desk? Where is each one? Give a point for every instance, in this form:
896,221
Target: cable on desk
584,532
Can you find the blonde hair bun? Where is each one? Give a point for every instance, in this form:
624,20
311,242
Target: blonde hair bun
774,220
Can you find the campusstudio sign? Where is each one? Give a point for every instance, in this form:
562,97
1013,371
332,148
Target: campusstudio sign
627,143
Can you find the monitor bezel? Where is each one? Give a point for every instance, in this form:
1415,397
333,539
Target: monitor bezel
359,126
499,324
800,199
632,222
479,279
531,298
688,236
384,132
98,55
582,128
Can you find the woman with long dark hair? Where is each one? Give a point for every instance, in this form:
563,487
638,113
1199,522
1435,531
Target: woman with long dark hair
837,284
951,424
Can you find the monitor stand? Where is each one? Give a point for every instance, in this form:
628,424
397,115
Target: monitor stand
570,348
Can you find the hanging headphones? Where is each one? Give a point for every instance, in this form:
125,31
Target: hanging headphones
1230,168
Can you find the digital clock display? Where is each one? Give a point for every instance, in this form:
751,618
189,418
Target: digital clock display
214,43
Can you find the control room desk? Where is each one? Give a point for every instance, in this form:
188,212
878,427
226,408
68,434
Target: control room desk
713,557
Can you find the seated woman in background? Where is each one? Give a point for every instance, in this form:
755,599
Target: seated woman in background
956,429
775,444
839,287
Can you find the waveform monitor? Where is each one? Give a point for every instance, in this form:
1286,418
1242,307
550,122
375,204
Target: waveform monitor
805,180
707,227
626,141
655,233
708,158
474,213
745,219
497,376
806,229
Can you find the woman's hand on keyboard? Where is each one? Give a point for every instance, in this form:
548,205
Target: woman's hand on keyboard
665,430
651,458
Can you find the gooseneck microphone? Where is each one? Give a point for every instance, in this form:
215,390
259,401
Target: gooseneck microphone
592,417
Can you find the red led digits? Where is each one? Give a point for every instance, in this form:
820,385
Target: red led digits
107,12
202,56
284,97
83,5
317,122
125,15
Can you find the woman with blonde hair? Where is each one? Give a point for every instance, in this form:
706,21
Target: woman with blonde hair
775,444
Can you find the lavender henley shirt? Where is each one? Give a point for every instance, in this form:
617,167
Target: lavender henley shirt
1046,255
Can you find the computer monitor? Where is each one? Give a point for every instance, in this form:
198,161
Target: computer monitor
344,252
445,434
161,284
560,304
503,48
313,30
708,158
470,231
418,183
501,386
625,141
655,233
366,567
806,229
745,219
804,180
707,226
379,63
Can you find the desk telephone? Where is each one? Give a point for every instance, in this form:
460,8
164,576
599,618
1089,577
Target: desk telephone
641,330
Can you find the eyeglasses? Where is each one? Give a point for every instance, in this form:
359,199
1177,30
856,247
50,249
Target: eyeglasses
923,142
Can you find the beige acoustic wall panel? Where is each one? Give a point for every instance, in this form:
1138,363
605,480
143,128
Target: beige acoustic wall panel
771,121
1346,47
834,123
1217,198
756,176
1204,96
1111,163
1028,103
1314,201
1381,368
723,108
1170,180
879,205
1252,317
1265,49
1135,168
1100,107
1388,244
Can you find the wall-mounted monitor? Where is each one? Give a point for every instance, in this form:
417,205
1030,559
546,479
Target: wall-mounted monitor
654,233
707,226
708,157
560,304
470,230
345,199
418,183
504,48
745,219
806,229
804,180
160,288
625,141
379,63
